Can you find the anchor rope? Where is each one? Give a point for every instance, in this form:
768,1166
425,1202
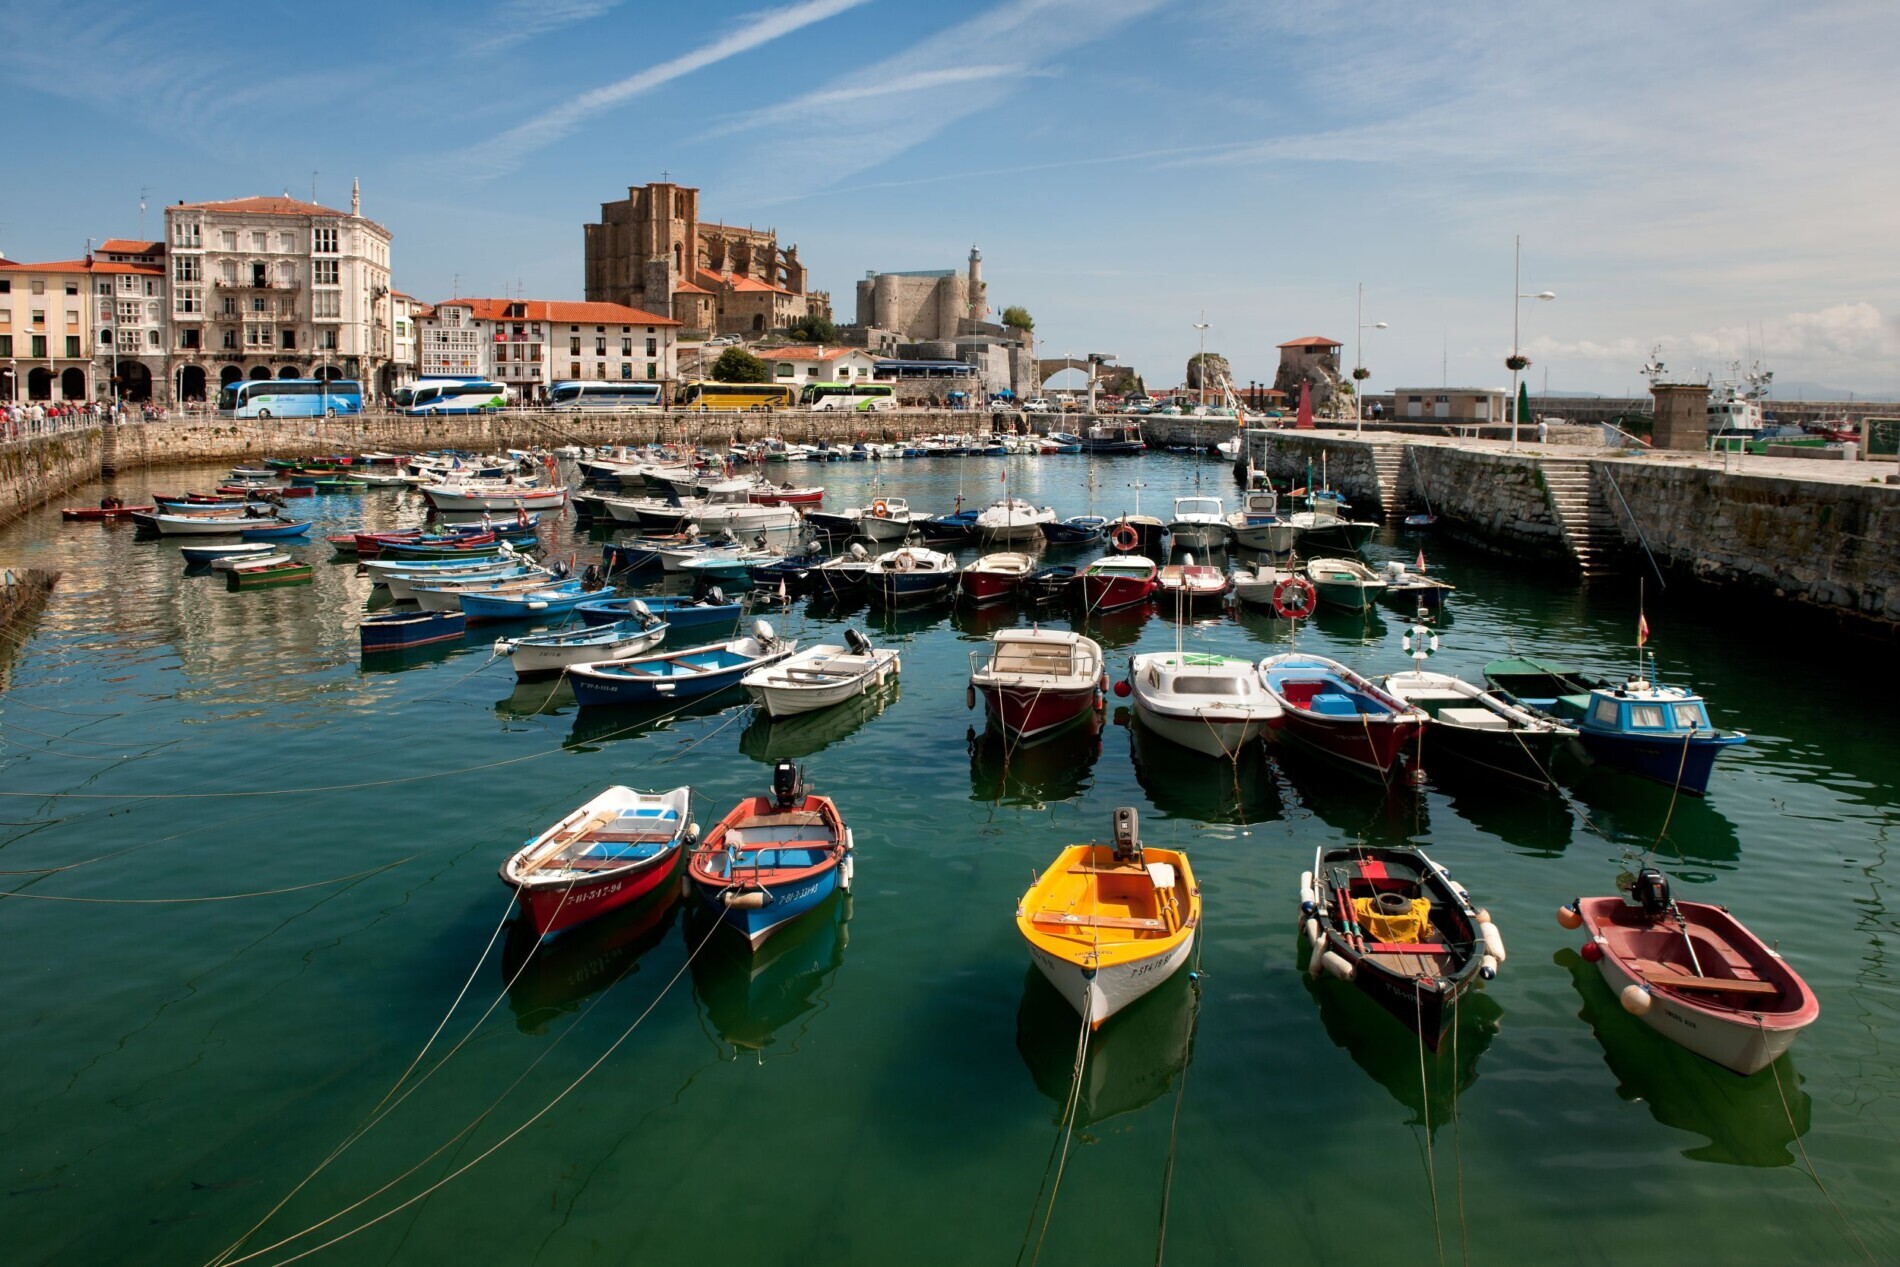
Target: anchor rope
1180,1093
215,897
1808,1161
1425,1097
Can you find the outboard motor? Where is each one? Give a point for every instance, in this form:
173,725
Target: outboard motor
788,785
1651,892
716,596
858,643
1128,835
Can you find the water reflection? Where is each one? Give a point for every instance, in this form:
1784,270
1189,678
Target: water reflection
1743,1119
1132,1060
1527,818
982,622
748,996
1351,800
1117,629
767,739
548,979
1059,768
537,699
1366,628
595,726
1193,785
1633,811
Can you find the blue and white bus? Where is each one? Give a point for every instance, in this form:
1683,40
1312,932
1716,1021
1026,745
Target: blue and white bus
595,397
290,398
431,395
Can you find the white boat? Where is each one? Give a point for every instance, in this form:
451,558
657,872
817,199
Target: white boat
1037,681
1213,704
1255,586
1013,519
1345,583
226,550
533,655
231,563
885,520
379,479
470,497
821,676
219,525
1199,523
446,596
1257,525
401,585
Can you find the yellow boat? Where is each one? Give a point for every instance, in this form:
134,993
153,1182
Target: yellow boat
1108,923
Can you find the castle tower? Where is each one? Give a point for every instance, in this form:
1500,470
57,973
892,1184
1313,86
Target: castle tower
356,197
979,300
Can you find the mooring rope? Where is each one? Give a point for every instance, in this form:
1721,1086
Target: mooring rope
216,897
1425,1097
1808,1161
1180,1093
1069,1111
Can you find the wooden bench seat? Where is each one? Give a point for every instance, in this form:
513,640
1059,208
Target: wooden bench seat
1098,921
1715,985
1117,868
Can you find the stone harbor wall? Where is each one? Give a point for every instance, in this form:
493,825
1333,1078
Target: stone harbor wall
37,470
1497,500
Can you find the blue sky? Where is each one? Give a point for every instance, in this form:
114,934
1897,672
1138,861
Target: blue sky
1717,177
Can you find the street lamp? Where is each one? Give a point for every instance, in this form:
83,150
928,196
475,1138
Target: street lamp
1200,362
1359,372
1516,362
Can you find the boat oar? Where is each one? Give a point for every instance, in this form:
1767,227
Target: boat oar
1349,925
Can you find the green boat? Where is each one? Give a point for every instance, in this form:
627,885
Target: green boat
340,485
269,577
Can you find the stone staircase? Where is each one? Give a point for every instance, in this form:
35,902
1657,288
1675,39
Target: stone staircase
1588,529
1388,460
108,449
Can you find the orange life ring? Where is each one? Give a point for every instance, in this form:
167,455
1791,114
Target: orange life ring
903,562
881,508
1126,538
1293,598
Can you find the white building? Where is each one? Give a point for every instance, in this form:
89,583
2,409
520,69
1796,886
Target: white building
801,365
273,287
531,344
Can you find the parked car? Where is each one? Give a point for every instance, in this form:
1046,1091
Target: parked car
1040,405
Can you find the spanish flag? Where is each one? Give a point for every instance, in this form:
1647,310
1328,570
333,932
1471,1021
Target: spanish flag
1642,630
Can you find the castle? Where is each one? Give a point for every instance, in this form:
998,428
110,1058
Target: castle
932,304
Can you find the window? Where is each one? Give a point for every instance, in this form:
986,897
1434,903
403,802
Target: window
39,285
1606,711
574,349
6,345
600,347
72,345
600,369
230,340
129,314
258,304
188,338
105,288
256,336
326,303
653,347
39,347
39,316
323,241
626,369
188,301
260,274
187,233
1649,716
229,307
324,272
286,242
260,240
72,288
1688,716
626,347
573,370
288,339
653,370
6,286
326,339
228,239
187,268
151,338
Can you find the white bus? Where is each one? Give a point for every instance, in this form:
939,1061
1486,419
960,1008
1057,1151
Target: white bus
577,397
860,398
431,395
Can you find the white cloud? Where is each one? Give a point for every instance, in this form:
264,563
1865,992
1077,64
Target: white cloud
1844,338
513,21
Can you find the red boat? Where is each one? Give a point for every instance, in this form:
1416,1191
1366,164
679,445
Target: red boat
1192,584
117,510
1342,714
787,495
1112,582
994,577
1038,681
611,851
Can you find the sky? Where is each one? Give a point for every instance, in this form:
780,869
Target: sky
1711,180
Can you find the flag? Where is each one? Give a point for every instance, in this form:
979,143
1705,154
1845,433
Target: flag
1421,558
782,596
1642,629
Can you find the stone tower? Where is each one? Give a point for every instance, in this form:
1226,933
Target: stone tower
1682,416
643,247
979,301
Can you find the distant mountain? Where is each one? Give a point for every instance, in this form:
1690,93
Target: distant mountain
1820,391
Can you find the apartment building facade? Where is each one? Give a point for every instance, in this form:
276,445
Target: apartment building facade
531,344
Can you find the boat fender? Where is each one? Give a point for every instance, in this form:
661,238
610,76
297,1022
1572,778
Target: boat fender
692,833
537,605
753,900
1312,930
503,647
969,695
1337,965
1488,968
1592,951
844,874
1493,939
1123,689
1568,916
1309,897
1313,964
1637,999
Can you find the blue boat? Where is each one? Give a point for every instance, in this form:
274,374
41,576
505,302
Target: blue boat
1063,442
638,557
678,610
1658,732
678,675
555,599
957,526
272,531
793,572
773,858
395,631
1077,530
911,577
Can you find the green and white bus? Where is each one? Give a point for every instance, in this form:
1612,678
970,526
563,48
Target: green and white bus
863,398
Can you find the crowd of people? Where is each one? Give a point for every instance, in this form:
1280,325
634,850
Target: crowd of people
42,417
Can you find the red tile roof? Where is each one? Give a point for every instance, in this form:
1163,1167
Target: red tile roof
126,246
86,266
734,282
556,310
687,288
1312,341
265,205
811,353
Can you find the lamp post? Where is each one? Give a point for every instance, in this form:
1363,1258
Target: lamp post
1359,371
1200,361
1516,362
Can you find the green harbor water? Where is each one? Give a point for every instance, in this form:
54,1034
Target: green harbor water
248,875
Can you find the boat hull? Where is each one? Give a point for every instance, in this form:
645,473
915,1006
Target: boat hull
532,658
1107,594
1030,713
981,588
1097,995
398,631
908,589
1211,736
1368,742
555,910
1666,761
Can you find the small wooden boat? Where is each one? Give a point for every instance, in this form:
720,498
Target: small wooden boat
1411,591
232,563
821,676
1113,582
1076,530
786,495
993,578
1470,724
607,854
1256,586
539,655
1189,585
681,612
678,675
202,554
772,858
221,525
446,595
910,577
397,631
1053,584
540,602
116,510
843,575
1396,925
1693,973
1345,583
1108,923
1257,525
1211,704
278,530
269,575
1037,682
1340,713
402,585
494,498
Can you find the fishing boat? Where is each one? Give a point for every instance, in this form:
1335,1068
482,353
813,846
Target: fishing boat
677,675
1528,678
1199,523
542,654
1049,585
1114,437
109,508
539,602
1345,583
1106,924
282,529
471,497
607,854
639,556
773,858
958,525
1340,713
766,493
202,554
910,577
1213,704
680,611
885,519
1187,585
1111,582
1659,732
1410,590
1012,519
1256,586
267,575
821,676
231,563
1036,681
789,573
1695,974
993,578
446,595
1257,525
843,575
398,631
402,585
1323,526
1394,924
1076,530
219,525
1465,722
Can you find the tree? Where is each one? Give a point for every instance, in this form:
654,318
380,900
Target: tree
1017,317
812,329
736,365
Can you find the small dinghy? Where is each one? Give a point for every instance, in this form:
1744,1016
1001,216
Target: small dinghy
607,854
678,675
1339,712
1212,704
398,631
679,611
232,562
274,531
1396,925
910,577
773,857
199,555
993,578
1189,585
1044,586
1345,583
268,575
1108,923
1694,974
542,654
821,676
1258,585
843,575
1470,724
556,599
1076,530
